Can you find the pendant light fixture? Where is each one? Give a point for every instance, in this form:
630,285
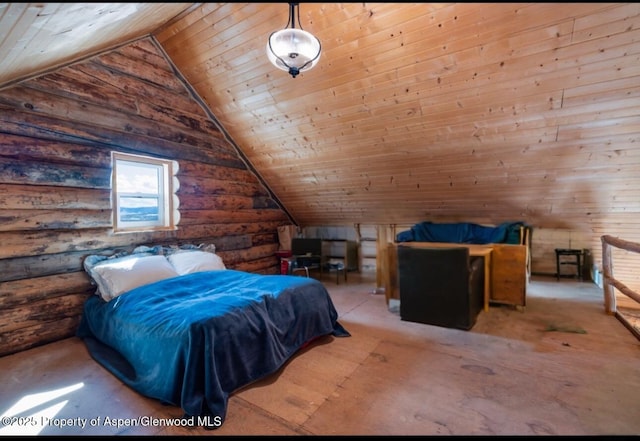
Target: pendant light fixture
293,49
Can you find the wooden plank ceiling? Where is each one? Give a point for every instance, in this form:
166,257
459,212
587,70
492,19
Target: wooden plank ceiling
484,112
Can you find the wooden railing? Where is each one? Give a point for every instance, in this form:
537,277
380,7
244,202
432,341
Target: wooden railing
610,282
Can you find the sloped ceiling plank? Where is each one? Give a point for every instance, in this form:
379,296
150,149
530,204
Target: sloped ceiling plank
37,37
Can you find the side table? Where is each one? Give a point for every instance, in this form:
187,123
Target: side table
566,256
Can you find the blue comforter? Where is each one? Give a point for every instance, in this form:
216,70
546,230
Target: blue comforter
192,340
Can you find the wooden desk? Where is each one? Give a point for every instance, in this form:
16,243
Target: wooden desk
474,250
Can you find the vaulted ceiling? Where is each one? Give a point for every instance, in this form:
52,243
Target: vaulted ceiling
483,112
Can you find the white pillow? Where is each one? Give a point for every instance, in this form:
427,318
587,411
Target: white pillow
116,277
187,262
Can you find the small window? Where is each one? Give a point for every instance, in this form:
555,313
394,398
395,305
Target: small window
144,193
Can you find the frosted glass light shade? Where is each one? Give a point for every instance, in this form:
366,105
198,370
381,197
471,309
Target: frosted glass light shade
293,50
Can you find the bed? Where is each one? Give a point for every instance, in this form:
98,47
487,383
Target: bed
174,324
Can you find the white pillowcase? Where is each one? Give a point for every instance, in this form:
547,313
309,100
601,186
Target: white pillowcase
187,262
116,277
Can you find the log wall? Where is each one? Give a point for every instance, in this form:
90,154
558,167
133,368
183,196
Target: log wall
57,132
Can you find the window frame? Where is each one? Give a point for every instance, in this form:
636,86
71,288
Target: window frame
166,170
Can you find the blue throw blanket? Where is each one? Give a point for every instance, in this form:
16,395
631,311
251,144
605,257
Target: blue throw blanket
192,340
463,232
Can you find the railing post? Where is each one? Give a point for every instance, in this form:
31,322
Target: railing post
607,275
